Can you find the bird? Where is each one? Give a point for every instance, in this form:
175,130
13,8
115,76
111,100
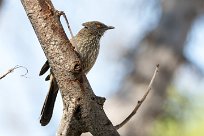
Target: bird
87,44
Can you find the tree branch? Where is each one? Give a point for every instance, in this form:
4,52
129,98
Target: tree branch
12,69
139,103
81,112
68,25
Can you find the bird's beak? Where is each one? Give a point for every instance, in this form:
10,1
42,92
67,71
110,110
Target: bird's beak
110,27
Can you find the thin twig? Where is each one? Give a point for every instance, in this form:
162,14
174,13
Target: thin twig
139,103
12,69
68,25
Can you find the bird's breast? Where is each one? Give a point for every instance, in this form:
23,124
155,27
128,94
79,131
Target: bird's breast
88,50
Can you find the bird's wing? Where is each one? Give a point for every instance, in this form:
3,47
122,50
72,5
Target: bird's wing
44,68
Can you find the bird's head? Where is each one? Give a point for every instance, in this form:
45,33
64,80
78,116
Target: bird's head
96,26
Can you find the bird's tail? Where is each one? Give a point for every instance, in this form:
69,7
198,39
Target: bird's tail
49,102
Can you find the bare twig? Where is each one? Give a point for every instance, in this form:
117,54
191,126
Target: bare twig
69,27
139,103
12,69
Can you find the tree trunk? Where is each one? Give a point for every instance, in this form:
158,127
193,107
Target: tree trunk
82,111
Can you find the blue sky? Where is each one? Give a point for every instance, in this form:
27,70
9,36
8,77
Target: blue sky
195,42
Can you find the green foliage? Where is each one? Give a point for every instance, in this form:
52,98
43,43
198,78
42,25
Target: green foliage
182,116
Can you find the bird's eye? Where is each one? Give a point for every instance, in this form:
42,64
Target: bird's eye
98,26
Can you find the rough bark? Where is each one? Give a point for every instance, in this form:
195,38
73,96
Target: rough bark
82,110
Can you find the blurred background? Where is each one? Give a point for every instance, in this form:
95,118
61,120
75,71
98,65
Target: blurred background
147,32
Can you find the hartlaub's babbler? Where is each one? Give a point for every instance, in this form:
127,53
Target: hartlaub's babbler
87,43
